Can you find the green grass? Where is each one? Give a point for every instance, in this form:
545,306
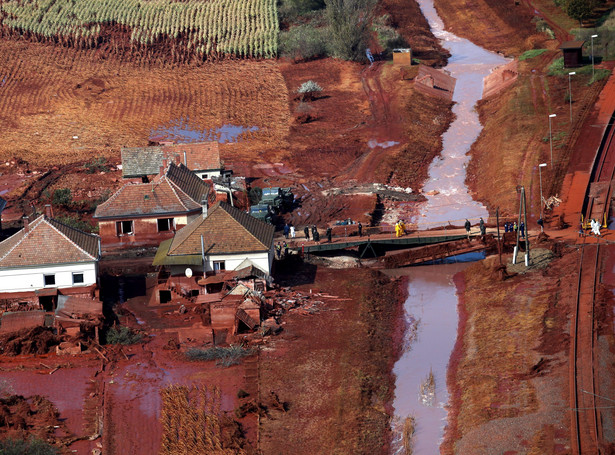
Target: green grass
226,357
531,54
557,69
123,335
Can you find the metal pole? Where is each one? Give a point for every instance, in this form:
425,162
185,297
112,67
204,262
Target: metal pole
527,235
570,93
593,71
497,222
551,137
514,261
540,176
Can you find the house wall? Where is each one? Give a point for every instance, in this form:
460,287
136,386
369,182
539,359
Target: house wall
31,278
262,260
145,232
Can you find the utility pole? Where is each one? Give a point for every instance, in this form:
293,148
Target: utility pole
497,222
522,211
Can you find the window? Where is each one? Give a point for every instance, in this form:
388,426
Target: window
77,278
50,280
204,176
165,224
219,265
124,228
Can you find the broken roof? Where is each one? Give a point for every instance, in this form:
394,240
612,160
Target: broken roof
140,161
178,191
47,241
225,230
76,307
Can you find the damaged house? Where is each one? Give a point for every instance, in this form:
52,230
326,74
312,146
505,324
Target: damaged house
144,214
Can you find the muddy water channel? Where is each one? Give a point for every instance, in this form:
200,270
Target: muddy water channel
431,307
448,198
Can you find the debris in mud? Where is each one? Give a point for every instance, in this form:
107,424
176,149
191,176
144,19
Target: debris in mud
427,390
38,340
23,416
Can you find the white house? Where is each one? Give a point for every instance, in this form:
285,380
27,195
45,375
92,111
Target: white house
221,240
47,258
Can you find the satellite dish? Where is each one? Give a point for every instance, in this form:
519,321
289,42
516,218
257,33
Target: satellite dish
188,272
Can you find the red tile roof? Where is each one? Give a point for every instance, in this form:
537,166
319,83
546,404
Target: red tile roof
48,241
178,191
225,230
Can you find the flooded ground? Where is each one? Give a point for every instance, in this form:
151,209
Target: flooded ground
431,307
448,198
181,131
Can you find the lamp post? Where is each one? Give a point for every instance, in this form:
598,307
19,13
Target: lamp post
570,92
551,137
593,72
540,166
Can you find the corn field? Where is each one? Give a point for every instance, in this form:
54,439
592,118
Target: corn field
205,28
192,422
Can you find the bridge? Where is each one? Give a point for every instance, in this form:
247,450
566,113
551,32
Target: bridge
452,241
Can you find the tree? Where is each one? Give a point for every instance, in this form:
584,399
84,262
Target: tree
350,25
580,9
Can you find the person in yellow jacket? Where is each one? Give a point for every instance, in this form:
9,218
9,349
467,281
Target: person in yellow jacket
397,229
402,228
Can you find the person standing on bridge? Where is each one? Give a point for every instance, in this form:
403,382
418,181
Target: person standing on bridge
360,229
292,231
315,234
468,226
329,234
286,230
306,231
402,227
522,229
483,229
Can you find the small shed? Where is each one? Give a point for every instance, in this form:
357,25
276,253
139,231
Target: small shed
573,53
402,56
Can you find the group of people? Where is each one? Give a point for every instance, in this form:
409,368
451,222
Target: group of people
315,233
289,230
400,228
512,227
279,247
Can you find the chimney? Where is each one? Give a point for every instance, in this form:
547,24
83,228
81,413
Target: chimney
48,211
204,208
26,224
177,160
185,159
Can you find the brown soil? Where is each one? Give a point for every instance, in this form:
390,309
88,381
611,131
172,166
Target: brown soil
333,368
503,27
21,417
508,364
407,18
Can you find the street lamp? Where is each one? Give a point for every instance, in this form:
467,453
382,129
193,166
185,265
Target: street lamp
593,73
570,93
540,166
551,137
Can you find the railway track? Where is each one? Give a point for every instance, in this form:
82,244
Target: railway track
586,421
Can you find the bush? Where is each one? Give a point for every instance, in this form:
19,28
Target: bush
226,357
33,446
62,197
255,194
303,42
388,37
350,27
291,10
75,222
97,165
123,335
309,87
